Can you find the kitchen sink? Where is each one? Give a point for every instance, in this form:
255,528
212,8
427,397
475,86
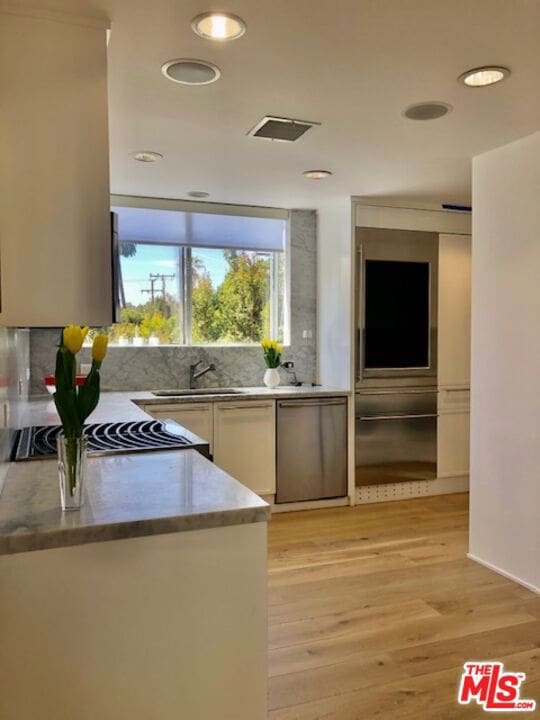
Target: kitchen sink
186,392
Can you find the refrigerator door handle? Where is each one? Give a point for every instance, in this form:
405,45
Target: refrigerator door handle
371,418
358,313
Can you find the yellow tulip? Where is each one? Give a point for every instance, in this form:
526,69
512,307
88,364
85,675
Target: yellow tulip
268,344
73,337
99,347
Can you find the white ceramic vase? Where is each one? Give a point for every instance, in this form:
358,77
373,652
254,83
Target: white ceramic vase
271,378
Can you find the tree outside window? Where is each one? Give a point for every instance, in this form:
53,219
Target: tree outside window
198,294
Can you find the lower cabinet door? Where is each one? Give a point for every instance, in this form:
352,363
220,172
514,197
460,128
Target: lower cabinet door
453,444
195,417
245,443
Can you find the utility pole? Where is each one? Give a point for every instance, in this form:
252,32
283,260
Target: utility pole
154,278
163,278
151,290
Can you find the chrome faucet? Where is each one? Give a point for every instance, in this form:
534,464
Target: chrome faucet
194,376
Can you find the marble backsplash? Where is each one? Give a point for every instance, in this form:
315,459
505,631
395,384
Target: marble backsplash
14,363
153,368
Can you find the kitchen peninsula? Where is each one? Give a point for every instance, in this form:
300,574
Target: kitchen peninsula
149,602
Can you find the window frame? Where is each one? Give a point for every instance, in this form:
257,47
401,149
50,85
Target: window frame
185,262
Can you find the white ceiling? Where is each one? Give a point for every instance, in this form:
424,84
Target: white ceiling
352,65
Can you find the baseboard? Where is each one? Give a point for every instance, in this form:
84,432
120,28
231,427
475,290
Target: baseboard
447,476
390,492
505,574
310,505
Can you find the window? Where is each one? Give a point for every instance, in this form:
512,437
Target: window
199,278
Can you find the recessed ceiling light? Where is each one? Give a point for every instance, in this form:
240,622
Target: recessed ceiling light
187,71
198,194
482,76
218,26
427,110
146,156
316,174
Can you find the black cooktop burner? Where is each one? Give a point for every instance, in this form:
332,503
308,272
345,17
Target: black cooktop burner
40,441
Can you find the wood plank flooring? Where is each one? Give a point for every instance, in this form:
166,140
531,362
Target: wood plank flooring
373,610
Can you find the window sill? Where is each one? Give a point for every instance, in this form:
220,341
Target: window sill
187,347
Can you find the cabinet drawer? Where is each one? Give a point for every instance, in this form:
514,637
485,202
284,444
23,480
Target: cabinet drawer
453,444
454,399
196,417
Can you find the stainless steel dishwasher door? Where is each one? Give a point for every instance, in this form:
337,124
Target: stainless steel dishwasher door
311,449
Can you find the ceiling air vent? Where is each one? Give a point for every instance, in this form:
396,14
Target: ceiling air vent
281,129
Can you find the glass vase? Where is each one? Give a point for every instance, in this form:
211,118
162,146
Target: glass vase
72,454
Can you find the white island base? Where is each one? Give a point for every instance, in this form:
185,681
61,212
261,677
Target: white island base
165,627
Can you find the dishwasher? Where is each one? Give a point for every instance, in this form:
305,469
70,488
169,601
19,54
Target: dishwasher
311,449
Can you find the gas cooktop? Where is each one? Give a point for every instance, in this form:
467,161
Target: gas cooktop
39,441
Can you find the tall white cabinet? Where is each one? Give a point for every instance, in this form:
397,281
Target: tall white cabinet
454,348
55,235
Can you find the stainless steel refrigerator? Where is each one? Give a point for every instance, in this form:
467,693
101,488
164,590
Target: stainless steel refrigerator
396,356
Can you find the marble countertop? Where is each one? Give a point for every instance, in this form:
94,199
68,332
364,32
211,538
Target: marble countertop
243,393
126,406
129,495
126,496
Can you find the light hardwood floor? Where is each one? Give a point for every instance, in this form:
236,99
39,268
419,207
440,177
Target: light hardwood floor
373,610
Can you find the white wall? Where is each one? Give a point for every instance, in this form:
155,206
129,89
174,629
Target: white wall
505,399
335,292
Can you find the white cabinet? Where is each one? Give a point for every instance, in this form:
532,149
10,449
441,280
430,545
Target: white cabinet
454,326
55,249
196,417
241,435
454,347
245,442
453,433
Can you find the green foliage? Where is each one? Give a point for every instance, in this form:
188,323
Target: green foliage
204,328
89,393
128,249
74,404
159,319
155,324
238,311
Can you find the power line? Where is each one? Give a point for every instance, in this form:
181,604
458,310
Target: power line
153,279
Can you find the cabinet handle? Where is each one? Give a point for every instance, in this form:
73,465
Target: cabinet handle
177,408
313,403
185,409
244,406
